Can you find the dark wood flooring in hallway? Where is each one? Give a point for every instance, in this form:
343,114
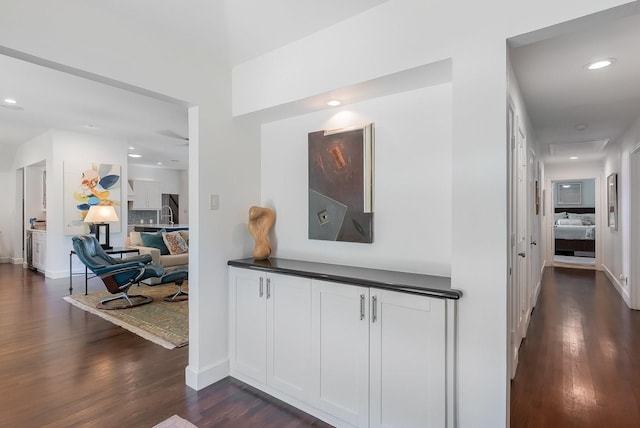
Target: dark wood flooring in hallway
580,363
63,367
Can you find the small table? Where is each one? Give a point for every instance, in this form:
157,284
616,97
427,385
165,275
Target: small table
114,250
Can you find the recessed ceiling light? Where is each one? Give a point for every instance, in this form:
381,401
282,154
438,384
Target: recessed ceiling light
581,126
573,157
159,163
334,103
131,148
566,186
10,101
134,155
601,63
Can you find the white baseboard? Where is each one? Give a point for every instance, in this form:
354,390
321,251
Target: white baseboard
199,379
17,260
5,259
57,274
621,290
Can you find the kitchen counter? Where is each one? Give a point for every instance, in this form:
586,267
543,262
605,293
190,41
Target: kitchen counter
413,283
154,227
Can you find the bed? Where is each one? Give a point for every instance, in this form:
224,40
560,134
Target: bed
574,230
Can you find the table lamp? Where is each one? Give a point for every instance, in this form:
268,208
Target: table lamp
99,215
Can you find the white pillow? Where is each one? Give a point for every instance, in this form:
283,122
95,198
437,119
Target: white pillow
587,218
558,216
569,222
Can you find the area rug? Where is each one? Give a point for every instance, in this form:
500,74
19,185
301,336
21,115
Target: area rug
175,421
164,323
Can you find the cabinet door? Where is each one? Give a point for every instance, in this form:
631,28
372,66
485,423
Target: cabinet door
248,343
289,335
340,343
154,197
407,360
140,195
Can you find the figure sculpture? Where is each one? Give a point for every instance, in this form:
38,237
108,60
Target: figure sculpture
260,222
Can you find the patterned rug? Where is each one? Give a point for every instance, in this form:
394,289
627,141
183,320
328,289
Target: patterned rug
164,323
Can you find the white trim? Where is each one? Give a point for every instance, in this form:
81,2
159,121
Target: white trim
4,259
200,378
621,290
17,260
634,231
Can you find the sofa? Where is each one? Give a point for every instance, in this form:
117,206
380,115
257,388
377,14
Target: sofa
160,254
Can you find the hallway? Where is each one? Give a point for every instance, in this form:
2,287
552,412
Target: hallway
580,362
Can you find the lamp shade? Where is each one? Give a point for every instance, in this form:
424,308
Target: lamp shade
101,214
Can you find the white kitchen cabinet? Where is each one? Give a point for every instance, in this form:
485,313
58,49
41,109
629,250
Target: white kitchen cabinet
407,349
39,250
340,336
147,195
270,330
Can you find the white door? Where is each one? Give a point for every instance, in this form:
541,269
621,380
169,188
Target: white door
340,355
248,324
512,289
408,367
522,234
289,334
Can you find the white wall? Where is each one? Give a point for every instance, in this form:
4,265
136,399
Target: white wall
57,147
7,209
617,243
224,158
412,214
356,50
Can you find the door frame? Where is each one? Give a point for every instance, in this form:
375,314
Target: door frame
549,222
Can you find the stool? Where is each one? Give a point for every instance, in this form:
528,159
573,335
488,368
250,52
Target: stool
178,276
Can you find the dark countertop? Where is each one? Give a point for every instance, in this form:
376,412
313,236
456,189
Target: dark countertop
429,285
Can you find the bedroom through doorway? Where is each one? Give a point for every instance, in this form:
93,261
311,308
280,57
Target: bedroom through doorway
574,222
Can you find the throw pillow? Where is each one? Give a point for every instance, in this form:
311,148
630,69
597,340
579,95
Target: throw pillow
175,243
136,239
185,235
154,240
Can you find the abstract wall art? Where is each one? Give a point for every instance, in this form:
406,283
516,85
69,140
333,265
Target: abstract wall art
341,184
87,184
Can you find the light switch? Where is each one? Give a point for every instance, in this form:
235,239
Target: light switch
214,202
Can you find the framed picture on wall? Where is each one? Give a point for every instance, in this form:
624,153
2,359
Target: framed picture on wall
612,201
569,193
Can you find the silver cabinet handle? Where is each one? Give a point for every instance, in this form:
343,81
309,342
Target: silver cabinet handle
268,288
261,288
361,307
374,308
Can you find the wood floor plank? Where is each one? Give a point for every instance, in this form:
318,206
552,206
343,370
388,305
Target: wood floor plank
61,366
579,365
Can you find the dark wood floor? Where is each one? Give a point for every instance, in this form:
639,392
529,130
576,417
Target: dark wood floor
62,367
580,363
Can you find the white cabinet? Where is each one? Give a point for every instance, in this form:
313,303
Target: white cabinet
351,355
407,349
340,337
147,195
270,330
39,250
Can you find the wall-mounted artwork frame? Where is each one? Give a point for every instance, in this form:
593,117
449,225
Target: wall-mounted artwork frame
612,201
341,184
569,193
86,184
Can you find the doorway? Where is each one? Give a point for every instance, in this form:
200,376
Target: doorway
574,222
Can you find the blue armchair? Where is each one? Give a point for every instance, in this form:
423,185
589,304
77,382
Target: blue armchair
118,275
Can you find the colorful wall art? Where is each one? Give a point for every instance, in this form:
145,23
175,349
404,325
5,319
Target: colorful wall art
341,184
87,184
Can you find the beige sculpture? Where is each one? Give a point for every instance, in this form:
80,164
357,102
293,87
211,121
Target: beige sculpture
260,222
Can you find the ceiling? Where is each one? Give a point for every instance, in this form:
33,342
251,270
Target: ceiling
237,30
562,96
